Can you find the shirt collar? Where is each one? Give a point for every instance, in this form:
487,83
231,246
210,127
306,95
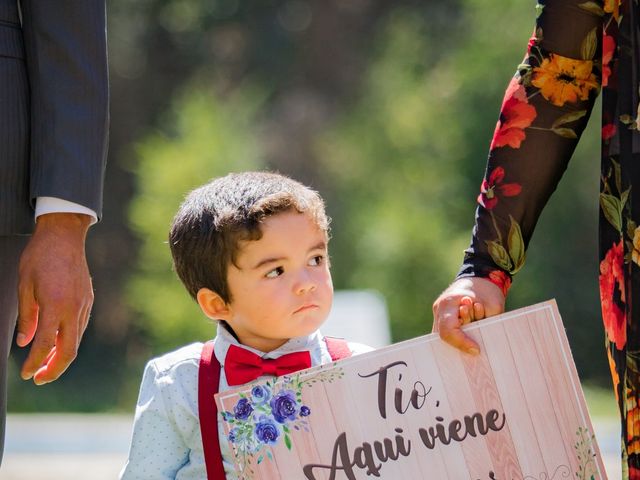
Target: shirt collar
224,338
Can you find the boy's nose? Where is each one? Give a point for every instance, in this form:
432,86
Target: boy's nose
305,284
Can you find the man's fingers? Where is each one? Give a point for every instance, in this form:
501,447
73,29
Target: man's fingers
84,321
60,357
478,311
43,342
27,315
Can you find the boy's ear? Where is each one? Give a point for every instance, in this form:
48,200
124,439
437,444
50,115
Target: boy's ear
213,305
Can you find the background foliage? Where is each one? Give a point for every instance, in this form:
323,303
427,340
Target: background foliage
387,108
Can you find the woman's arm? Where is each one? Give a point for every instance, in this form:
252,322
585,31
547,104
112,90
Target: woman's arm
545,109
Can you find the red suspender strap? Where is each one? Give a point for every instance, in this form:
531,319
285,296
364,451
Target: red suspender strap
208,384
338,348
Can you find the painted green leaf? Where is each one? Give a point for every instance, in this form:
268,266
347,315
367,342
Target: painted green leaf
287,441
624,197
589,44
516,245
499,255
592,7
539,9
564,132
568,118
618,174
260,458
524,70
631,228
629,255
612,210
626,119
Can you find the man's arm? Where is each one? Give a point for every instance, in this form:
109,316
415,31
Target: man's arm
66,57
65,45
54,294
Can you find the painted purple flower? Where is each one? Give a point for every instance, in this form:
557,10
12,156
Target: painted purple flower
233,434
243,409
267,431
284,406
260,394
305,411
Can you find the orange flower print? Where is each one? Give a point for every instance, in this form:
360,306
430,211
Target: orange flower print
612,6
516,115
608,48
614,375
633,424
563,80
612,288
489,189
635,255
501,279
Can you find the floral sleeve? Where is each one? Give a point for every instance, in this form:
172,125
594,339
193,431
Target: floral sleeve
544,111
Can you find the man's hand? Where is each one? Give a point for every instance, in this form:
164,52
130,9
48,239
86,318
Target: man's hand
465,300
55,295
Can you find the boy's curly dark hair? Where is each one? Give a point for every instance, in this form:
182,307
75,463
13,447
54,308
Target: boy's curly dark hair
213,219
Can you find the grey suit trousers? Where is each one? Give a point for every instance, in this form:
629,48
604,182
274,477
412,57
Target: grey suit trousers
10,250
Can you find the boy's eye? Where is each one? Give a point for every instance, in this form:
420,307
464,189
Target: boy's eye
317,260
276,272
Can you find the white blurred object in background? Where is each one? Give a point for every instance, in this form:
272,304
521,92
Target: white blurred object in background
359,316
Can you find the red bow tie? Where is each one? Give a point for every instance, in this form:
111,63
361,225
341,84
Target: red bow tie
242,366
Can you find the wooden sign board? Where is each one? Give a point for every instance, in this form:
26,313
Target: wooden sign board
421,409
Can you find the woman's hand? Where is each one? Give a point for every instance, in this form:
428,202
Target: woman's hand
464,301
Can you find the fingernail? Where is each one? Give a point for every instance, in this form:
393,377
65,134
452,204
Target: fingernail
473,351
20,338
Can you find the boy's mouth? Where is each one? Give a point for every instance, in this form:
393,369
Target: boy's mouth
307,306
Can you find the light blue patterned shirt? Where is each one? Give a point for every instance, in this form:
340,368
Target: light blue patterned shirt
166,442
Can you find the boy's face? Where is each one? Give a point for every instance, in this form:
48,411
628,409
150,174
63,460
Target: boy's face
281,287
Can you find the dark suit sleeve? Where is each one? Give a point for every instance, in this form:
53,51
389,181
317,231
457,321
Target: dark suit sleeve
66,56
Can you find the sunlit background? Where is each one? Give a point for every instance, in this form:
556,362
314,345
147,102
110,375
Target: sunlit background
386,108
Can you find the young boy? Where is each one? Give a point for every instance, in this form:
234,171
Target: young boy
251,249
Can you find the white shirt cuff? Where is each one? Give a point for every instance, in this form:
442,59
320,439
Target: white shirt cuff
57,205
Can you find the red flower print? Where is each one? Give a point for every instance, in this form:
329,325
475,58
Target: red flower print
515,116
612,292
533,41
501,279
608,47
489,189
608,131
634,472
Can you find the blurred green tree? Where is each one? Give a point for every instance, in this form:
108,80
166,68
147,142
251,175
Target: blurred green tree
387,108
203,137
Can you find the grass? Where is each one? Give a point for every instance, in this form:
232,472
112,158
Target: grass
601,402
